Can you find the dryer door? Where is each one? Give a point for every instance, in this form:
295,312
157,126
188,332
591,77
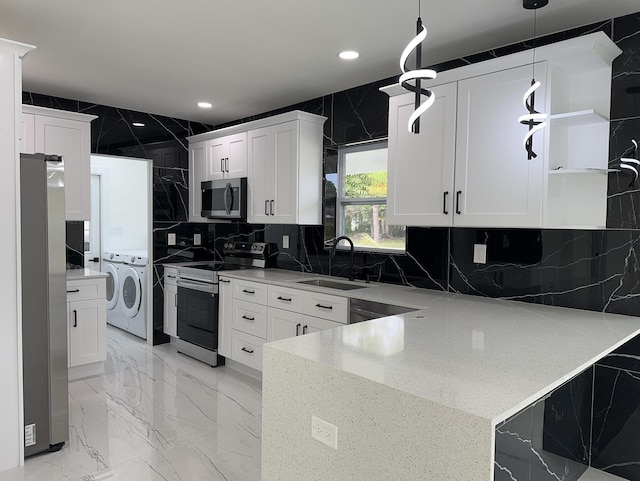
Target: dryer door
113,284
131,292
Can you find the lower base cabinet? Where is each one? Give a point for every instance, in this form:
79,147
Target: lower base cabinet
252,313
247,349
284,324
170,323
87,322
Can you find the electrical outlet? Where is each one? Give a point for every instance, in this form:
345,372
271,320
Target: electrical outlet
285,241
197,239
171,239
324,432
480,253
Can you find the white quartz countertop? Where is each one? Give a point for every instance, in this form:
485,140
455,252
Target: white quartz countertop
79,274
487,357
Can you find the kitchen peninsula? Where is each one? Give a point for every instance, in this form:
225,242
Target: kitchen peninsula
419,395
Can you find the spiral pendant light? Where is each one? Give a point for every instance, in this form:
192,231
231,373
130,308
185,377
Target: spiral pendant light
411,79
535,120
628,162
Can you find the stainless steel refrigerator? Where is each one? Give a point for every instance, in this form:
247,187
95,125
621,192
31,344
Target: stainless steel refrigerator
44,303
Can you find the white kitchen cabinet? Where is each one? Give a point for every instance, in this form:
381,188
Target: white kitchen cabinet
197,173
87,321
170,326
420,166
285,173
281,156
284,324
68,134
225,316
227,157
494,183
28,140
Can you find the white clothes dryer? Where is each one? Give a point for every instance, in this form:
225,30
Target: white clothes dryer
133,292
111,266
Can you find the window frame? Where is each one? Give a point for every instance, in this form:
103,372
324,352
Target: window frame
342,201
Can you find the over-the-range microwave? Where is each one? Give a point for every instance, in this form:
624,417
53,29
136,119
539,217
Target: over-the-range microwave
224,199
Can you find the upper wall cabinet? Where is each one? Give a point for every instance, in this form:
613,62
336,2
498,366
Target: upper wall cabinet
68,134
281,156
227,157
468,166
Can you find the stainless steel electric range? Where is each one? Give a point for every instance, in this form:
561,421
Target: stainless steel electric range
198,296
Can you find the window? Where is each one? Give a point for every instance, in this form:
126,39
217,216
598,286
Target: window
360,186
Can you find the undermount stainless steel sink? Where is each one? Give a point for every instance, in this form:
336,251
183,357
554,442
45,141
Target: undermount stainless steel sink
343,286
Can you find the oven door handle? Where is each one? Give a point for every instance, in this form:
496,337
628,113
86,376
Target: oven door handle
196,286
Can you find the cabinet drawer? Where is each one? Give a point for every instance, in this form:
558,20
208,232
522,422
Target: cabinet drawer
247,349
86,289
333,308
250,318
286,298
250,291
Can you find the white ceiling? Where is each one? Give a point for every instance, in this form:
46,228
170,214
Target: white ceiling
251,56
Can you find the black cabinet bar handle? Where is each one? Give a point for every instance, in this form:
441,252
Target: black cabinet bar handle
444,202
298,329
324,307
304,329
285,299
272,207
224,281
73,290
75,318
175,299
226,164
246,291
221,165
249,351
249,318
266,207
458,202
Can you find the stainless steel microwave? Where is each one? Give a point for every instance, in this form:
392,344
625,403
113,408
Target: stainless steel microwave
224,199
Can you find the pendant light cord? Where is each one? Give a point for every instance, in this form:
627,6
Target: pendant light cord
535,21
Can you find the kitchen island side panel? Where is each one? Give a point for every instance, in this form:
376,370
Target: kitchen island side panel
383,433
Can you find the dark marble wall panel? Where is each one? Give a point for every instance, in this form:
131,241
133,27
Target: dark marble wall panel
75,243
550,439
616,422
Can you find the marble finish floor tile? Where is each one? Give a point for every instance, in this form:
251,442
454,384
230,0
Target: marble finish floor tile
156,415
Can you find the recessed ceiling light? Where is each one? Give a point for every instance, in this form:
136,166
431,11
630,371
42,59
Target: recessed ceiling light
137,124
205,105
348,55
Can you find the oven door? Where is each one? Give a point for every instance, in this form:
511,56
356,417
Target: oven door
198,314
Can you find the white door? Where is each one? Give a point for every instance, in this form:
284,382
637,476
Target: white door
495,184
87,332
93,228
217,151
225,317
283,324
237,156
72,140
197,174
282,205
261,151
420,166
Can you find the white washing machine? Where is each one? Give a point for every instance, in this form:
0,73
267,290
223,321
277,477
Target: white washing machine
111,266
133,292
